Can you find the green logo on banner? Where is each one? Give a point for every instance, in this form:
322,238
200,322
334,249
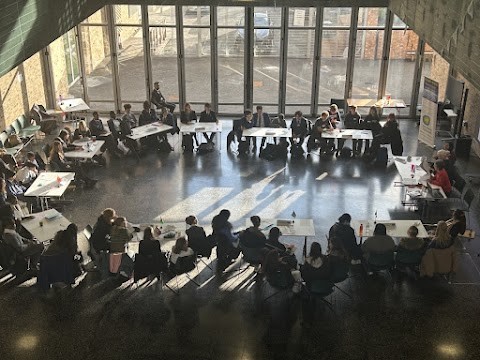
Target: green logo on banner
426,120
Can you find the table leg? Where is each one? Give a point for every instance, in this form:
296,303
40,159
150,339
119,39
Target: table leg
305,248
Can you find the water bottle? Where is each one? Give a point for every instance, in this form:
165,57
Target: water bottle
412,170
360,232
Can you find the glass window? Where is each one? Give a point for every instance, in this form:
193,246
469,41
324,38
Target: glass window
128,14
433,59
131,63
267,16
368,55
99,17
98,63
230,15
401,65
301,17
161,15
231,82
196,15
299,66
163,51
333,65
372,17
337,17
197,64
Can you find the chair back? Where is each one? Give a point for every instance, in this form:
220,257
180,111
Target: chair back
237,124
381,260
7,255
468,198
320,287
280,279
185,264
88,231
252,255
341,103
55,269
17,126
409,257
339,271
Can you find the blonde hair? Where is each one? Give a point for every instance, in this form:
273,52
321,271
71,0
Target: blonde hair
442,235
82,126
334,106
57,148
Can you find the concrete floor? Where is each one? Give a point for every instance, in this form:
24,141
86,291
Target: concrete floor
225,318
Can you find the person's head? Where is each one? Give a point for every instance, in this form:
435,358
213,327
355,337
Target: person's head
148,233
112,115
259,109
274,234
248,114
127,108
57,148
30,165
298,114
271,259
345,219
391,117
281,117
442,234
12,199
324,115
71,231
109,215
459,215
187,107
180,245
95,115
30,156
120,221
412,232
373,111
255,220
439,165
207,107
352,109
156,85
315,250
225,214
333,108
82,125
191,220
9,174
146,105
380,229
64,135
9,223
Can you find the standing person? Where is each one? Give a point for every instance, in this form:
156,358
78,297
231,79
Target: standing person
129,116
391,135
114,125
159,100
299,128
102,229
227,241
260,119
336,121
372,123
353,121
345,236
119,235
208,116
246,122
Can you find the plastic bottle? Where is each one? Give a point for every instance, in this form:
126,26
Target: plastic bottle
360,232
59,181
412,171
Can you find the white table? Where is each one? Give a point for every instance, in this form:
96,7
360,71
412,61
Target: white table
266,131
348,134
89,149
73,105
404,168
143,131
45,224
395,228
290,227
46,185
196,127
166,228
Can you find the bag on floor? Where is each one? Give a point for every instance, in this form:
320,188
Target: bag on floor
187,142
270,152
382,157
243,147
296,150
346,153
205,148
164,147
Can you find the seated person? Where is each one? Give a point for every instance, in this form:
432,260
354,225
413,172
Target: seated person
82,132
279,122
379,243
279,272
159,100
337,255
148,117
119,236
65,140
299,128
246,122
36,160
197,239
13,186
187,116
441,178
353,120
208,116
253,237
273,240
57,159
391,135
98,130
23,246
114,125
345,235
442,238
3,192
128,116
412,242
167,118
322,125
457,225
181,250
150,249
102,230
27,174
316,265
336,121
16,209
260,119
227,241
372,123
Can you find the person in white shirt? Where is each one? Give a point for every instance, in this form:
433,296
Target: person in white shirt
27,174
25,247
180,249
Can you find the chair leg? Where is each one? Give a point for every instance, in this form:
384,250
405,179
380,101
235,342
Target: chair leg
191,279
205,263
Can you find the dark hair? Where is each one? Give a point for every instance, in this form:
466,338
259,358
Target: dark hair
180,245
247,112
315,250
127,106
440,164
354,107
62,133
225,214
190,219
95,113
459,215
281,116
345,218
112,114
30,154
119,220
274,234
259,107
271,261
146,105
30,164
380,229
9,222
450,146
147,233
299,113
207,105
156,83
255,220
413,230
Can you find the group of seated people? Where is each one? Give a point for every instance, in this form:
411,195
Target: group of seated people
302,128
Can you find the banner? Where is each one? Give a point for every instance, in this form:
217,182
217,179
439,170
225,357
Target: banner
428,116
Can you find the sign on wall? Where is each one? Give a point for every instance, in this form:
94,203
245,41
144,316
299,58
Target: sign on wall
428,117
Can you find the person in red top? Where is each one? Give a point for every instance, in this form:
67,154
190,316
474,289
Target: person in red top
441,177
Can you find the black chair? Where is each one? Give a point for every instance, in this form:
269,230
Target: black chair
340,272
378,262
55,269
280,281
183,265
251,256
320,289
409,259
464,203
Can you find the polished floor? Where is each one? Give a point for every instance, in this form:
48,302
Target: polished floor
226,317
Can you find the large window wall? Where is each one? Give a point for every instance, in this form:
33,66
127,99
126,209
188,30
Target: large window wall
284,58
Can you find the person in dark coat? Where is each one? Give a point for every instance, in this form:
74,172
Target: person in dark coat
345,235
102,229
197,239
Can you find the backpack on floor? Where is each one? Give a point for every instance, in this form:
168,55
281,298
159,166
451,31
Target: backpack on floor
296,150
187,142
164,147
271,152
382,157
346,153
205,148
